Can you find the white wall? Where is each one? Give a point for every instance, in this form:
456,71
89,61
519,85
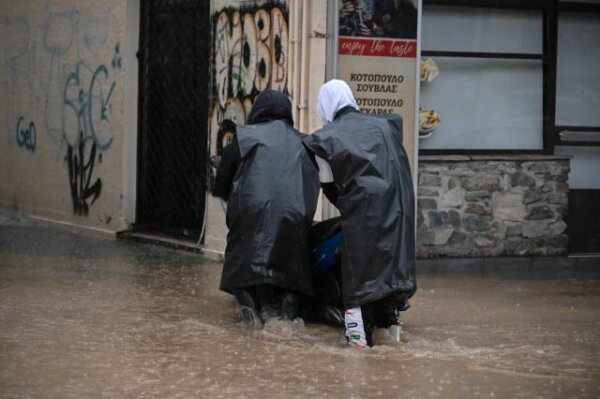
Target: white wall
585,164
129,172
62,75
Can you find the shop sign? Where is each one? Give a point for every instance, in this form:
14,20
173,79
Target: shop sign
377,57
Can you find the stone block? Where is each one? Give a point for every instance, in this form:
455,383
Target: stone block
535,228
434,236
427,192
481,182
478,209
538,166
476,223
477,195
547,188
540,228
557,228
508,206
498,228
438,219
514,229
541,212
427,203
521,179
530,196
457,237
554,245
519,246
452,198
452,183
556,198
430,180
462,169
482,241
455,218
542,177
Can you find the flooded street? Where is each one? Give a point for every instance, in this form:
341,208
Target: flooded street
84,316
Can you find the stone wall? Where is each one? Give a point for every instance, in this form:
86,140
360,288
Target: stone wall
473,206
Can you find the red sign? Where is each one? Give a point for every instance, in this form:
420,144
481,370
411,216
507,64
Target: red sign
377,47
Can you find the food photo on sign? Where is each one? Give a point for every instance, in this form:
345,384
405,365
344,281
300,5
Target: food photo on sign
378,18
429,119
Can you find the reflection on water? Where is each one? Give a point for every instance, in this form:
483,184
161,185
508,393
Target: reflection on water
83,316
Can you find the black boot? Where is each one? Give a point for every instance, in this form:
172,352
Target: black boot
247,308
382,313
368,316
289,306
267,295
246,297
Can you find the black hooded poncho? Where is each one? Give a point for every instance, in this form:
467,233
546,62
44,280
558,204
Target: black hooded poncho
272,202
376,201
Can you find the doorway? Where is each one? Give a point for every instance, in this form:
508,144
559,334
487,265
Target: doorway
583,227
173,115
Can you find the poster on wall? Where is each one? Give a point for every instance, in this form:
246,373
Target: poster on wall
377,57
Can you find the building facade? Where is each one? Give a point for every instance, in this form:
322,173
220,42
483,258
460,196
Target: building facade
113,110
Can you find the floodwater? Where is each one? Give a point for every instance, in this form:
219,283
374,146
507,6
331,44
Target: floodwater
84,316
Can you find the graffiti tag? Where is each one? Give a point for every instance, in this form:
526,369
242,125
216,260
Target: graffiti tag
26,137
90,107
81,165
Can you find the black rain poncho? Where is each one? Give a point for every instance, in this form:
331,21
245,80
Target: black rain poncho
272,202
376,201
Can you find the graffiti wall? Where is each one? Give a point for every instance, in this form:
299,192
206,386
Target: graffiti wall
62,113
250,54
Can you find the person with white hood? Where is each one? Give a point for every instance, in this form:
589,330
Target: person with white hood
363,158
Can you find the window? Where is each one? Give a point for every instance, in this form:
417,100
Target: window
577,77
514,76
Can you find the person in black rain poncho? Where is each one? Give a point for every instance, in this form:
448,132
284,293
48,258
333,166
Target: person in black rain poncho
271,187
363,156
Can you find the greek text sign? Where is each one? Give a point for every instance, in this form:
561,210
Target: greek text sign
377,57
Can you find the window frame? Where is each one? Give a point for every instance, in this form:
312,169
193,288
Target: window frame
583,8
550,14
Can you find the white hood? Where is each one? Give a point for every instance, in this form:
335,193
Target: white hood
333,96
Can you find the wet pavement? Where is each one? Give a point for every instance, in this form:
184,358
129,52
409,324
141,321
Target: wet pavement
86,316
